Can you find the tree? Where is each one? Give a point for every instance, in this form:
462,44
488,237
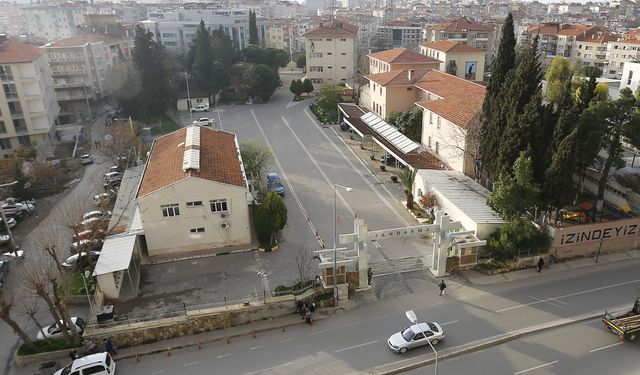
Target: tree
301,61
328,100
557,74
296,87
276,58
256,157
513,196
558,187
263,81
304,263
515,237
253,29
271,217
429,201
409,123
203,58
224,51
408,178
6,305
307,86
492,118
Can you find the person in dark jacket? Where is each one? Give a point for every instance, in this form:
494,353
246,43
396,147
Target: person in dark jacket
540,264
108,347
442,287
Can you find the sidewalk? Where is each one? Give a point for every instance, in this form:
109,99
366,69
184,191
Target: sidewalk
477,278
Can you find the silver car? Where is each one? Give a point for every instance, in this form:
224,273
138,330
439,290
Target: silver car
416,335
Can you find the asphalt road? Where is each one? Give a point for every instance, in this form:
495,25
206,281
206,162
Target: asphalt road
584,349
356,341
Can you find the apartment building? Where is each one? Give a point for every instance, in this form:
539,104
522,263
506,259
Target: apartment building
618,53
556,39
400,34
456,58
479,35
282,35
400,58
80,67
175,29
331,53
11,19
591,50
28,106
55,22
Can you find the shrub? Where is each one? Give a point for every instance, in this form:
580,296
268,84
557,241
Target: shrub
42,346
515,237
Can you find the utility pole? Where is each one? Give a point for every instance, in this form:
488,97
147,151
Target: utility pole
186,77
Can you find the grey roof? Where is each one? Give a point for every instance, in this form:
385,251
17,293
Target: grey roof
116,254
469,196
125,206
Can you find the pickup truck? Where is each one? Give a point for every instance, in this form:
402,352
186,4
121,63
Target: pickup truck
626,325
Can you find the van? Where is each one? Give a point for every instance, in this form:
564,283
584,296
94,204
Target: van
96,364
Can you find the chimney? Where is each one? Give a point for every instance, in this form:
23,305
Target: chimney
410,75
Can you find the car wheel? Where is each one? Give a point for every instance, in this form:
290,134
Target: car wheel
435,341
210,124
403,350
631,336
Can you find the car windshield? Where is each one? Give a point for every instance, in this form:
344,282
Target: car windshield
408,334
67,370
432,327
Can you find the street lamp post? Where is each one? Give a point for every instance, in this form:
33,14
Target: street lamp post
414,319
86,288
186,78
335,234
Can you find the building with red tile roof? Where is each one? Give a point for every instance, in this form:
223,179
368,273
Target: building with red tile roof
331,53
193,195
399,58
473,34
556,39
457,58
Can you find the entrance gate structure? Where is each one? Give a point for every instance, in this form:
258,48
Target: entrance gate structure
446,235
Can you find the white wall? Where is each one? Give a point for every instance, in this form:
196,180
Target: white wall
448,141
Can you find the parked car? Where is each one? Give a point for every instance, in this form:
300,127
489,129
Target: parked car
86,245
13,207
96,213
276,187
52,330
86,159
4,270
416,335
101,199
204,121
4,238
79,261
11,222
89,234
97,364
272,177
200,108
387,159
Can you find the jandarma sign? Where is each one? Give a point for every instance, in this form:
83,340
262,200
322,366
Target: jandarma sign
587,235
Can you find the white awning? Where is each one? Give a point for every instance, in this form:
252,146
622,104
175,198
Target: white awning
116,254
390,133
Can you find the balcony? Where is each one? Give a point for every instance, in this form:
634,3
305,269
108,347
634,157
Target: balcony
68,73
72,97
63,60
11,96
70,85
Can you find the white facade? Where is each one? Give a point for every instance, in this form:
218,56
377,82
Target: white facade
444,139
55,22
630,76
176,28
330,55
28,105
618,53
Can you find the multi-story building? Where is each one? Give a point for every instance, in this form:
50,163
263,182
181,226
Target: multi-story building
282,35
400,34
591,50
55,22
11,19
456,58
618,53
79,67
400,58
479,35
331,53
175,29
28,106
556,39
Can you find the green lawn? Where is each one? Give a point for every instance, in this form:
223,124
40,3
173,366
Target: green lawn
167,125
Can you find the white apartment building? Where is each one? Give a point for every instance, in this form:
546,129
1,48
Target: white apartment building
630,76
176,28
591,50
618,53
55,22
80,67
28,106
331,54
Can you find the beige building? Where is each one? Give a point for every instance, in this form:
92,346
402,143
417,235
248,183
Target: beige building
193,196
591,50
457,58
331,54
474,34
399,58
282,35
80,66
28,106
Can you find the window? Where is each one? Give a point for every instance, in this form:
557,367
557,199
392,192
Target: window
315,69
409,89
438,122
170,210
343,40
437,147
430,118
15,108
3,129
316,55
10,90
169,35
24,141
630,75
329,39
93,370
5,73
19,124
219,205
197,230
343,53
329,53
429,142
194,204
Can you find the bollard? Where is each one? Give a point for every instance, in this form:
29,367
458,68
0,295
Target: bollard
169,352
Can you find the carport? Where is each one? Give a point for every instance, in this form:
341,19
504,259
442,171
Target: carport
118,267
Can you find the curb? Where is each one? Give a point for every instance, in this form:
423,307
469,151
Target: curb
427,359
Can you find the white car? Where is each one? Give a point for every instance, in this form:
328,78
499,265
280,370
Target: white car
200,108
417,335
11,222
86,159
97,364
204,121
96,213
52,330
80,260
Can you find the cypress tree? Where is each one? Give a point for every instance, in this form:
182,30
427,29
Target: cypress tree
558,187
493,120
203,59
253,29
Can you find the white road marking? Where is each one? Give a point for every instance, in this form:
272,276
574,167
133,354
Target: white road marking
286,340
351,324
157,372
256,347
356,346
569,295
268,369
435,304
381,317
606,347
220,120
319,332
190,364
224,355
451,322
535,368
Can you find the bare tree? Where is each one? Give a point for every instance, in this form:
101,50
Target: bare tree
465,143
47,240
6,304
124,144
71,217
59,301
429,201
30,309
304,262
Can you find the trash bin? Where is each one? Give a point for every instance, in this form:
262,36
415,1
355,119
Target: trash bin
105,314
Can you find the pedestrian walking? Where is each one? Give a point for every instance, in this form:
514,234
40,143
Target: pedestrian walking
300,308
108,347
308,316
442,287
369,275
540,264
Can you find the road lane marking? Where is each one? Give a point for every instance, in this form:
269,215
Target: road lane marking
381,317
605,347
190,364
224,355
435,304
319,332
568,295
451,322
356,346
535,368
256,347
157,372
286,340
351,324
268,368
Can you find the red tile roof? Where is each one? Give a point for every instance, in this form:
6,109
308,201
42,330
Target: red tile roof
558,29
460,110
18,53
446,85
451,46
329,31
402,56
600,38
397,77
81,40
219,160
463,24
